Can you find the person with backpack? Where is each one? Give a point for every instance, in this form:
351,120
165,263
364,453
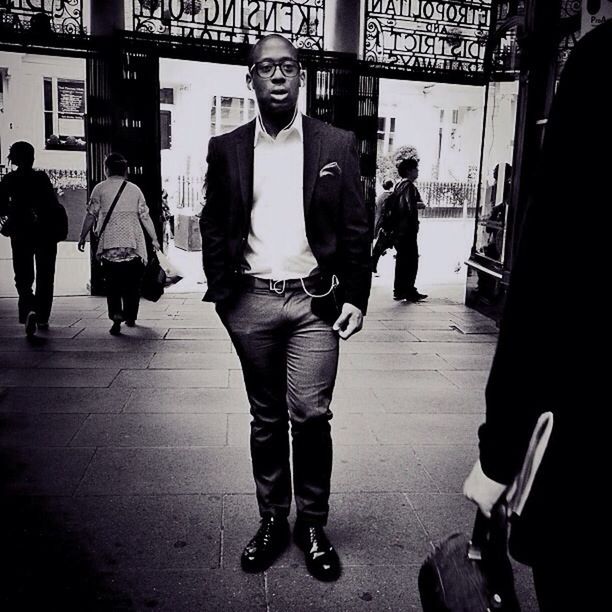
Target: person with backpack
35,222
400,226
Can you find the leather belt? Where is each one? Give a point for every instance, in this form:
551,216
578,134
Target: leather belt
310,283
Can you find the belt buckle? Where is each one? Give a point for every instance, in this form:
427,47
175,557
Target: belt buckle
278,289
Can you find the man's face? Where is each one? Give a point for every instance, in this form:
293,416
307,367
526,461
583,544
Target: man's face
278,93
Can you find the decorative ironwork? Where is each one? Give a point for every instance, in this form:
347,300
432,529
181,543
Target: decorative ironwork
238,21
43,16
570,30
432,36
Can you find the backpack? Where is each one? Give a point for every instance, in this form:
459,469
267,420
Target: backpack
58,222
390,212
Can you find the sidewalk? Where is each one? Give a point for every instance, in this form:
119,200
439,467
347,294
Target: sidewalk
126,471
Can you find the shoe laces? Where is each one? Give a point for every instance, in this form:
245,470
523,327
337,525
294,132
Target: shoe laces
264,533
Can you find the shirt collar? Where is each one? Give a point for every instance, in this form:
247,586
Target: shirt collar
294,128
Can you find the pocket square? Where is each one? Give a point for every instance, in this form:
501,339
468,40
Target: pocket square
330,169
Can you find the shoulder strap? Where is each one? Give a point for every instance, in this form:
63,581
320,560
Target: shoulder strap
112,207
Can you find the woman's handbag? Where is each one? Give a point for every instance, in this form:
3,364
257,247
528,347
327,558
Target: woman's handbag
153,281
173,275
474,574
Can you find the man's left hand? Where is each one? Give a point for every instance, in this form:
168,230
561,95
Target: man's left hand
349,322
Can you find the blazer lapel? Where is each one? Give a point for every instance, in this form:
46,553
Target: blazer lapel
244,153
312,151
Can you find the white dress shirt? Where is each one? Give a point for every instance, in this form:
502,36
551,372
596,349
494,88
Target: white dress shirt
277,246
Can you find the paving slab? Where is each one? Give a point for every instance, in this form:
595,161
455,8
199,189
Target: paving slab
170,471
20,359
96,359
403,361
163,379
57,377
200,361
159,532
378,468
352,401
43,471
152,430
66,400
432,335
22,429
178,590
18,331
138,332
204,400
389,379
435,401
420,429
361,589
467,362
203,333
432,323
466,379
448,466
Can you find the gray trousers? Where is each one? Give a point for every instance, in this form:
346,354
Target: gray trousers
289,361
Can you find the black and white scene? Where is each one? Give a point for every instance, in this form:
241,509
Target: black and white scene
295,304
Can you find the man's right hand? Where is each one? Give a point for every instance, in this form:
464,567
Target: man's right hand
81,245
482,490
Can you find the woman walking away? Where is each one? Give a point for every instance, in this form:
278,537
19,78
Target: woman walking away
118,211
35,222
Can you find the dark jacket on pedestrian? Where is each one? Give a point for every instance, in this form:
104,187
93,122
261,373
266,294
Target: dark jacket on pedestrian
548,354
28,198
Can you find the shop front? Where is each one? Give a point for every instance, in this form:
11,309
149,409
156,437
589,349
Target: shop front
527,48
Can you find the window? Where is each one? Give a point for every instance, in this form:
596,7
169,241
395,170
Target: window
386,135
228,113
64,112
166,95
165,129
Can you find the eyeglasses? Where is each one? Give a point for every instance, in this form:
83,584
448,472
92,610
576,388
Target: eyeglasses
267,68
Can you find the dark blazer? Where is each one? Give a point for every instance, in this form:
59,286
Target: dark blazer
28,197
337,226
548,355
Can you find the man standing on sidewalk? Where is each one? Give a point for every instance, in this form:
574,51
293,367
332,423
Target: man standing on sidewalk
401,221
286,252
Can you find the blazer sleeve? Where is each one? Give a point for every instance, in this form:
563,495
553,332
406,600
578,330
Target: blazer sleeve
213,227
355,234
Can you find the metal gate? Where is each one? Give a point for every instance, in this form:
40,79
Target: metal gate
123,116
341,96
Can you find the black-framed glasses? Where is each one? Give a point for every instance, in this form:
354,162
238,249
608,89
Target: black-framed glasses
267,68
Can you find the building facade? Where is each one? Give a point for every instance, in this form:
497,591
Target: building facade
120,85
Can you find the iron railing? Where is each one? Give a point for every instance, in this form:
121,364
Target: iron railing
42,17
61,178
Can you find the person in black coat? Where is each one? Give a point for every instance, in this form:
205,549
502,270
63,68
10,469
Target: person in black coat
549,357
28,200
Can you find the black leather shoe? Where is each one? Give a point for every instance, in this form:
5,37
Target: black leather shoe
115,329
266,545
415,296
322,560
